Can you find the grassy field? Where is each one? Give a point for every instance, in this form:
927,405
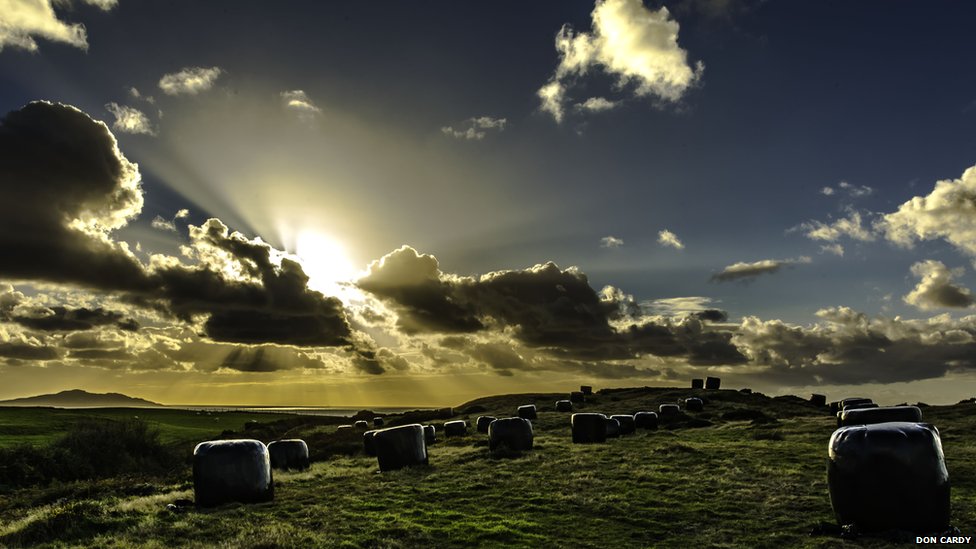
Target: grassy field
749,471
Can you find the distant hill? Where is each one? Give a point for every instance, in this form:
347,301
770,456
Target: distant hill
76,398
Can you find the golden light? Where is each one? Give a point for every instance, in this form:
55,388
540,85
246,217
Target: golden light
325,262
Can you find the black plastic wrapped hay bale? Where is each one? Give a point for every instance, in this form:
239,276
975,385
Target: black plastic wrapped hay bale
483,422
514,433
577,397
668,410
818,400
342,428
289,454
745,391
859,406
430,434
362,425
697,383
369,445
645,420
399,447
694,404
527,412
378,422
588,428
227,471
889,476
713,383
612,427
564,406
869,416
851,401
456,428
834,407
626,423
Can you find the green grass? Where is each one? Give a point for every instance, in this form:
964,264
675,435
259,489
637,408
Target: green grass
731,484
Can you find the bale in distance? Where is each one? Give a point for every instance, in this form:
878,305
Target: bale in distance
834,407
483,422
818,400
588,428
362,425
612,427
745,391
645,420
697,383
564,406
514,433
369,445
399,447
851,401
342,428
713,383
227,471
668,410
430,434
527,412
889,476
859,406
626,423
586,389
694,404
869,416
378,422
456,428
289,454
577,397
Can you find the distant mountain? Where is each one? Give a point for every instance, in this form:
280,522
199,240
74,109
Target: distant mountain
76,398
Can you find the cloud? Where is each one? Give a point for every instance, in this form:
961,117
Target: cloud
638,46
61,318
749,271
129,120
596,104
24,20
936,289
190,80
835,249
611,242
298,102
104,5
852,226
851,191
163,224
827,191
669,239
475,129
948,212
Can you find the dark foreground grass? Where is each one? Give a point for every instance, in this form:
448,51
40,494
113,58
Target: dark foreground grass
730,483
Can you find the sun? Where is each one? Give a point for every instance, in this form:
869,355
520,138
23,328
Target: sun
325,262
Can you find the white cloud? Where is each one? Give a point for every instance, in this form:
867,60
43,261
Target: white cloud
638,46
936,289
475,128
129,120
21,21
667,238
679,306
163,224
851,226
748,271
298,102
611,242
191,80
835,249
827,191
855,191
104,5
597,104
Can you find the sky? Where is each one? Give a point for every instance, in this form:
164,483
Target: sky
417,204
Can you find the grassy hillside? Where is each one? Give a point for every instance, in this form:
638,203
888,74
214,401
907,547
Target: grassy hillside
748,471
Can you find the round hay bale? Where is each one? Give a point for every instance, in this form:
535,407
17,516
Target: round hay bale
369,445
378,422
851,401
564,406
818,400
612,427
430,434
645,420
577,397
694,404
697,383
745,391
834,407
889,476
870,416
668,410
289,453
514,433
859,406
586,389
713,383
527,412
362,425
227,471
588,428
483,422
626,423
399,447
457,428
341,428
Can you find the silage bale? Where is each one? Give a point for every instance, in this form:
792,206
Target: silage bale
713,383
645,420
889,476
378,422
514,433
457,428
588,428
694,404
851,401
818,400
612,427
362,425
227,471
483,422
745,391
869,416
586,389
697,383
668,410
342,428
369,445
834,407
527,411
399,447
430,434
289,454
577,397
626,423
564,406
859,406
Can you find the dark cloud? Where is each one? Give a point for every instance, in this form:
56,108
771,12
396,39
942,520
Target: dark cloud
711,315
64,319
937,289
746,272
27,351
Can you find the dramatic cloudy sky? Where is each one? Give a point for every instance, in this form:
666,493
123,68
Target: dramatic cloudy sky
418,203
